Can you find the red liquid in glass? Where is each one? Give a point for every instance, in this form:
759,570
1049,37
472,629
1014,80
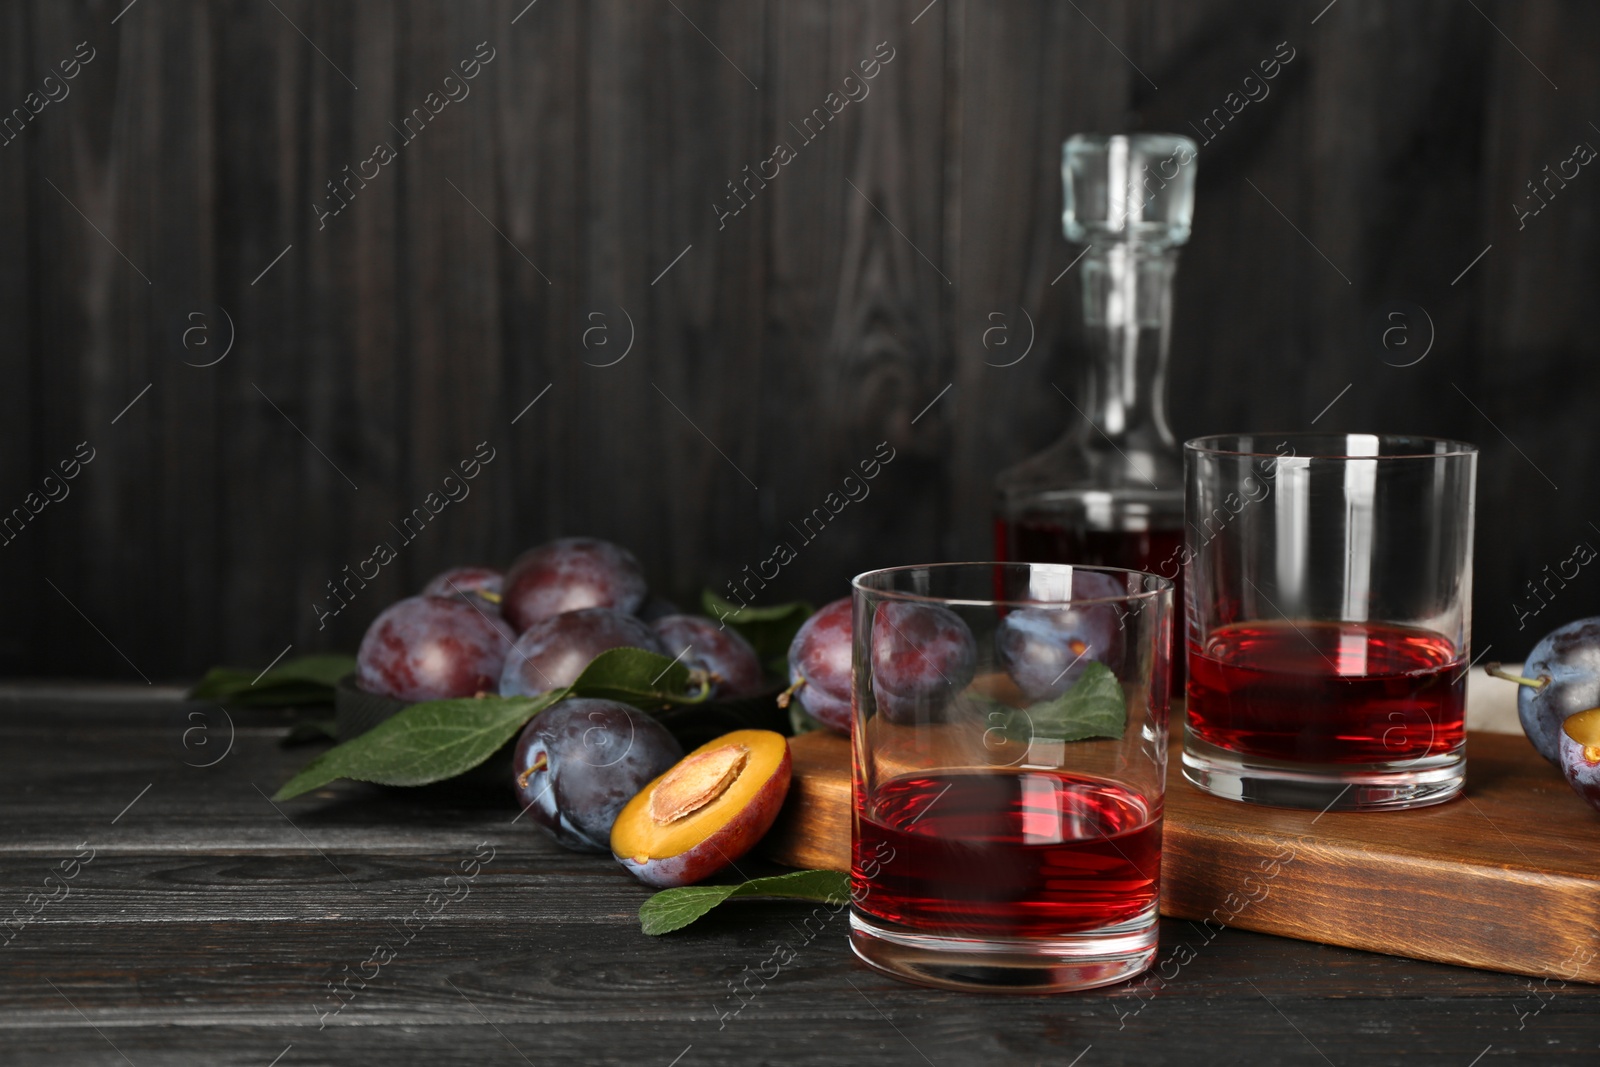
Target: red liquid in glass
1328,692
1152,551
1006,853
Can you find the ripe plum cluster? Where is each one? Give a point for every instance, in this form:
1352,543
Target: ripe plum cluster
532,629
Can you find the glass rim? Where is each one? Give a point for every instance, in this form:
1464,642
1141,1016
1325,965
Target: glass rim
1164,585
1209,444
1140,139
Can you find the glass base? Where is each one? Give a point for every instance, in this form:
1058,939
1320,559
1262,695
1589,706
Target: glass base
1007,965
1323,786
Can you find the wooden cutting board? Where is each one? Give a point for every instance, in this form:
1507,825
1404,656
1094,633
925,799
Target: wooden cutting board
1506,878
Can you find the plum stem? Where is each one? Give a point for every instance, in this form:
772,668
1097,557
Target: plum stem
1494,670
540,763
788,694
491,597
701,681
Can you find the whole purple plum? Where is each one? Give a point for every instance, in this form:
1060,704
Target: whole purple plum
480,585
569,574
819,665
657,607
1560,678
704,645
922,656
553,652
1045,649
578,763
432,648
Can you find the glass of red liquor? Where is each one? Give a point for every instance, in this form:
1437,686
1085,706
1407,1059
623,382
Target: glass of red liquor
1010,751
1329,618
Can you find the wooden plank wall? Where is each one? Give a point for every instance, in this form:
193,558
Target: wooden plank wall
577,188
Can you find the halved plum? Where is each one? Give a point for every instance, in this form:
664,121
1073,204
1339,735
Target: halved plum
712,807
1580,754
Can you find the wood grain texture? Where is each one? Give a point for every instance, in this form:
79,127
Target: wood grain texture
208,925
814,828
1012,295
1507,878
19,457
821,320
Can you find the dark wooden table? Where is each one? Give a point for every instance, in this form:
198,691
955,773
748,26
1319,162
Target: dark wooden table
183,918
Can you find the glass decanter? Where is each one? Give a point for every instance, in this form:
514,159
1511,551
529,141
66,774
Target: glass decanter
1110,491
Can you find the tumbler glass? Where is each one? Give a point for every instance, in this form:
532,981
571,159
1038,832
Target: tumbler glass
1010,749
1329,618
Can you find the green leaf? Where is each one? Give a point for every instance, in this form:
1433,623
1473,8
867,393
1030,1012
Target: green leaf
644,679
673,909
440,739
303,680
717,607
424,743
320,670
769,629
1093,708
219,682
